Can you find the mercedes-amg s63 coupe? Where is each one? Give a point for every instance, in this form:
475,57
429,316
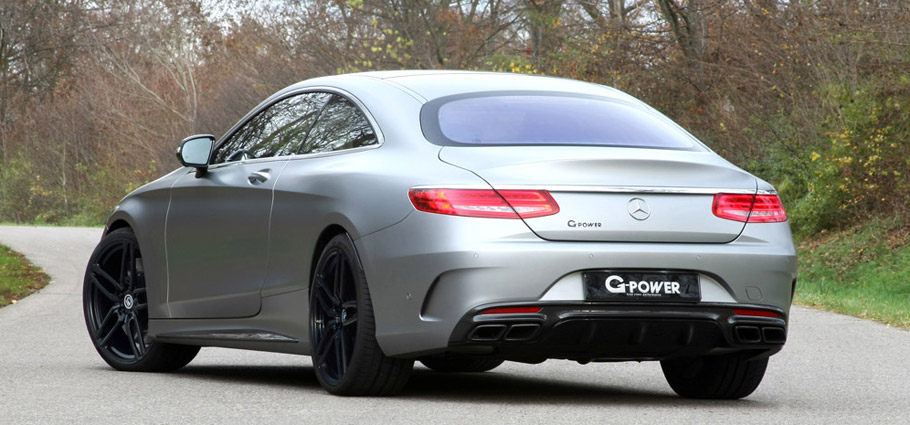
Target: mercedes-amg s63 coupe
458,219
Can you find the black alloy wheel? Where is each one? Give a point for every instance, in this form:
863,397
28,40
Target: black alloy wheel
346,357
334,315
115,305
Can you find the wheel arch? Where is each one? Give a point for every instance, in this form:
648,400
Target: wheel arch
147,225
124,215
325,236
116,225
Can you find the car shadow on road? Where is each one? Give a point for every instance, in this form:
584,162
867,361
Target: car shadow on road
484,388
499,388
289,376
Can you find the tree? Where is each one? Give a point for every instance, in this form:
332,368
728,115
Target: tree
37,46
542,21
145,73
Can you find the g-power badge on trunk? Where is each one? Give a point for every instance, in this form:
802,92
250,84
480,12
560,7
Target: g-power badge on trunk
583,224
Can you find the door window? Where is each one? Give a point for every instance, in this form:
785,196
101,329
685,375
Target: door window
341,126
277,130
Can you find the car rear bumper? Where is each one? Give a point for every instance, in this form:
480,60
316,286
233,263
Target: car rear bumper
422,290
603,332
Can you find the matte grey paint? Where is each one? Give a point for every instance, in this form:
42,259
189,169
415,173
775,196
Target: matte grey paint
227,255
217,246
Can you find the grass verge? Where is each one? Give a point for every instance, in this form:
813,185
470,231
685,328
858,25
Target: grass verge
863,271
18,277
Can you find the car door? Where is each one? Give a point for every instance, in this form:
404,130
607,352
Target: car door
312,190
217,227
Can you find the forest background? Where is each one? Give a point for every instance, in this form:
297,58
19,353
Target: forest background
810,95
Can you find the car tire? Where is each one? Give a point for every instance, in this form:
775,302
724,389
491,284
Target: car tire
454,364
115,307
346,357
730,376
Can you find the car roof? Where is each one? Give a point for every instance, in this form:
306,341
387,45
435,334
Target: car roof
427,85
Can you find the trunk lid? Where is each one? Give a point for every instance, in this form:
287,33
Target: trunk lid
615,194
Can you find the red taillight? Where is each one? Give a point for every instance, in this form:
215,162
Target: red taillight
767,209
751,312
749,208
512,310
485,203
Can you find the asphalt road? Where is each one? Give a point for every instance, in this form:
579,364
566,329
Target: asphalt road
834,370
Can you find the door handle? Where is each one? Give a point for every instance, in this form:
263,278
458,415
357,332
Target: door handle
260,176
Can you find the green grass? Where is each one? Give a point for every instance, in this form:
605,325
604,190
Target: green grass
863,271
18,277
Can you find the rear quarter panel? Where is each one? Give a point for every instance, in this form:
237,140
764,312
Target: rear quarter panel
362,191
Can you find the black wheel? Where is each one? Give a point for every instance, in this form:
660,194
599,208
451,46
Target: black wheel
346,357
729,376
454,363
115,305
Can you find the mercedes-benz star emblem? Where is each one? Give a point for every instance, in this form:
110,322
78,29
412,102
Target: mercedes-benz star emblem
639,209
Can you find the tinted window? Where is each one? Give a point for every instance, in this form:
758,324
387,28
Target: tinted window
341,126
278,130
549,120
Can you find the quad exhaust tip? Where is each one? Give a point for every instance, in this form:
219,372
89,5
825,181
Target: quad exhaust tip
496,332
758,334
522,332
774,335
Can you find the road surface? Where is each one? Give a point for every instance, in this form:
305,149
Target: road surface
834,370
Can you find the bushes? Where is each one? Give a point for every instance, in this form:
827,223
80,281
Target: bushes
23,197
858,167
33,194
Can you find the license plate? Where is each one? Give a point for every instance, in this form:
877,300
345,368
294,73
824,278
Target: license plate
641,286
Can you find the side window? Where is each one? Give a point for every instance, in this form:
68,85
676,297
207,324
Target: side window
237,141
278,130
341,126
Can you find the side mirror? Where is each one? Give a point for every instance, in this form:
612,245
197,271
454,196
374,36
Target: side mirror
195,151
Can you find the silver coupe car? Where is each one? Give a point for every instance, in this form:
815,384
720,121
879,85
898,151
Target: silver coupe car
459,219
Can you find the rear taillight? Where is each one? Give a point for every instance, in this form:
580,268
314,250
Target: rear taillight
749,208
485,203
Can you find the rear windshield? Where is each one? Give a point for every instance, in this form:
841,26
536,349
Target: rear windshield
548,119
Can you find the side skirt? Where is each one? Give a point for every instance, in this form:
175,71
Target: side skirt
282,326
